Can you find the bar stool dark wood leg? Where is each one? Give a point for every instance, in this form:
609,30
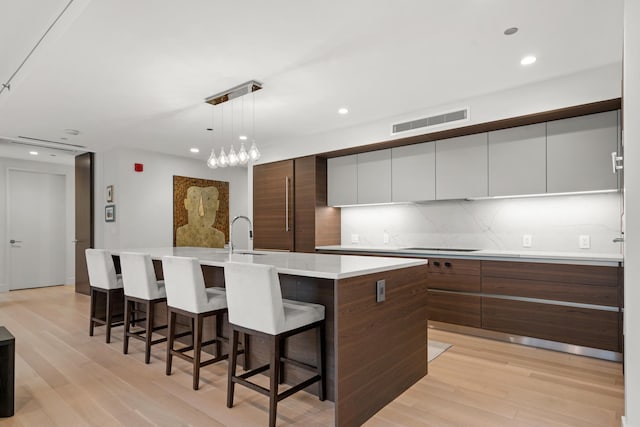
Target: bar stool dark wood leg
197,347
320,357
274,379
232,367
218,330
92,310
170,339
127,325
246,359
149,334
109,314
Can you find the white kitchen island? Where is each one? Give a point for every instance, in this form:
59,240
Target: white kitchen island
375,350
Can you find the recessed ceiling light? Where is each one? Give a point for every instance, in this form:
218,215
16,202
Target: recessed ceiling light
33,153
194,150
528,60
343,110
243,137
510,31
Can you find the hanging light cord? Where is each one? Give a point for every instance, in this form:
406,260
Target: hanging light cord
7,84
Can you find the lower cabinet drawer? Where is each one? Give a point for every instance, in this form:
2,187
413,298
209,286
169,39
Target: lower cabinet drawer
457,309
572,325
454,282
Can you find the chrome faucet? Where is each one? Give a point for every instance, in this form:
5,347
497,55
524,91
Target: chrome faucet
231,231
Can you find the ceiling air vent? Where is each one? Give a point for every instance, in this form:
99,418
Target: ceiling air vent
440,119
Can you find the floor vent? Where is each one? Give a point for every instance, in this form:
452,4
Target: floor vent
440,119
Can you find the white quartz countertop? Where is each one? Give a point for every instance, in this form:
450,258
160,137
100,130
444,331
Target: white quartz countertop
586,258
326,266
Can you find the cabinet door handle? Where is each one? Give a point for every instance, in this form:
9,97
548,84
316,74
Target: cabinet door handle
614,161
286,203
447,264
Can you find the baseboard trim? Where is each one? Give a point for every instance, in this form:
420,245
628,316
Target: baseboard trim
4,288
530,342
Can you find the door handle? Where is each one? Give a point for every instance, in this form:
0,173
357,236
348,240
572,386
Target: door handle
614,162
15,241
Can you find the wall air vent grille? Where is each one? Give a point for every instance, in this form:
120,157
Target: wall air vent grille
425,122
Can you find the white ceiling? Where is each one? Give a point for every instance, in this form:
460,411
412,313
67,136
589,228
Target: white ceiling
135,73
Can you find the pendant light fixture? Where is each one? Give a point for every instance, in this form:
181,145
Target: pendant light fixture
242,157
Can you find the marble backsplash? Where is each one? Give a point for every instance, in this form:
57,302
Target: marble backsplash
554,224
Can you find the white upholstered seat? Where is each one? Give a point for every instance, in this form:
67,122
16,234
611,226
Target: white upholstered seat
102,271
185,286
103,279
139,277
255,300
141,288
187,296
256,307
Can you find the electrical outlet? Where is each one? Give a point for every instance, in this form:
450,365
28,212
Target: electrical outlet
385,237
526,240
380,294
355,238
584,241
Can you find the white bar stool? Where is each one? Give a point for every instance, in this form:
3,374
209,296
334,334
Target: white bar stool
103,279
187,296
256,307
141,287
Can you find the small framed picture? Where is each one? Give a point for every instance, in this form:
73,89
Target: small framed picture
110,213
109,193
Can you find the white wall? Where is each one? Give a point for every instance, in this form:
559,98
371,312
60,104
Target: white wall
553,222
69,222
631,111
144,200
589,86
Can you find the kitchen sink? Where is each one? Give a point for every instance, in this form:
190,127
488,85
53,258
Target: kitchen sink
442,249
245,252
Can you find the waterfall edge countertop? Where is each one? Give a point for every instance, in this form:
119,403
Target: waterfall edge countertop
325,266
583,258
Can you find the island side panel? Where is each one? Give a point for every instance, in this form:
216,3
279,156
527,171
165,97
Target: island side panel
381,347
302,347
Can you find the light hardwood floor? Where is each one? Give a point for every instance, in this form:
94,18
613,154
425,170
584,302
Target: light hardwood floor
66,378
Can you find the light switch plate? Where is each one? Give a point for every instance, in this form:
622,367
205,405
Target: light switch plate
385,237
526,240
355,238
584,241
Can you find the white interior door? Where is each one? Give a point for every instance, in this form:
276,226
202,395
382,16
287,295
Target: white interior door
37,229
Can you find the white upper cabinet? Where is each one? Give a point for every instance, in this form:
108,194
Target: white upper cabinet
342,180
413,172
579,153
461,167
374,177
518,161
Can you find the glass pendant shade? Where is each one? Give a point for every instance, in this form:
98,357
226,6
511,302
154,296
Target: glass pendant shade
223,160
212,162
243,157
233,157
254,154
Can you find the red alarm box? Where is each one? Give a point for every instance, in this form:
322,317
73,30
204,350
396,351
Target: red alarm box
138,167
